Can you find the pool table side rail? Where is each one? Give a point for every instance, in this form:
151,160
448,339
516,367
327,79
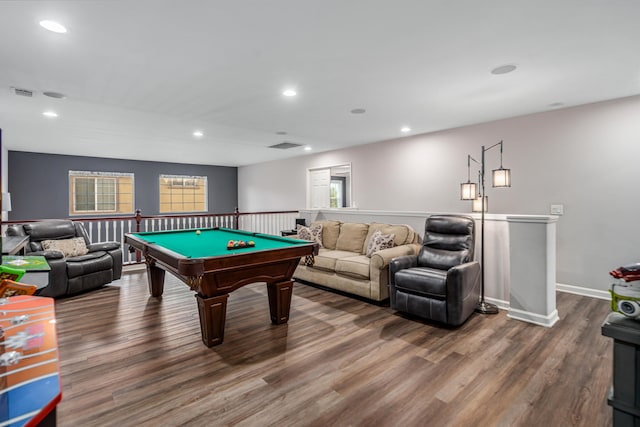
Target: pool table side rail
231,230
186,266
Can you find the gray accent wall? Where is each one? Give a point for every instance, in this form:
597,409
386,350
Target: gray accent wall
583,157
39,183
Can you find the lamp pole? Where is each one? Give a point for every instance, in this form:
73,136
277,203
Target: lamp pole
483,306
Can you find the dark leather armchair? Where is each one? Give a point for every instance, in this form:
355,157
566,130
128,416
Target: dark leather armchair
442,282
74,274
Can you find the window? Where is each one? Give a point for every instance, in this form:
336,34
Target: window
100,193
337,192
329,187
183,193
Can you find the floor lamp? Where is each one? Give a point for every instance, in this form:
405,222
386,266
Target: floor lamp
476,192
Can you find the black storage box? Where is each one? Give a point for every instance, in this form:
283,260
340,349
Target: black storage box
624,396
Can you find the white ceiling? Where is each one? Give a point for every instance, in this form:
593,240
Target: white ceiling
141,75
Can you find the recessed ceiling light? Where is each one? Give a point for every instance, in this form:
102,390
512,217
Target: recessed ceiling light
53,26
289,92
50,114
307,148
358,111
504,69
405,129
198,133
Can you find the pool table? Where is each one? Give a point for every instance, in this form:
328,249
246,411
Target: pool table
201,259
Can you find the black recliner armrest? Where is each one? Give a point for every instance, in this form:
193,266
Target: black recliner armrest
57,286
395,265
48,254
462,278
462,290
401,263
103,246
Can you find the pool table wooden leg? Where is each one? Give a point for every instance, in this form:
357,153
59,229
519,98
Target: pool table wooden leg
155,277
213,313
280,301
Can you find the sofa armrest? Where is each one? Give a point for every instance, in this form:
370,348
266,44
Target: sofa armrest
103,246
381,259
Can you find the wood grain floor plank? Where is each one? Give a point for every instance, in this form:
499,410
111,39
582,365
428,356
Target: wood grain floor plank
128,359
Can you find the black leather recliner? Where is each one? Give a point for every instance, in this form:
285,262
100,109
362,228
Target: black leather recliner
442,282
72,275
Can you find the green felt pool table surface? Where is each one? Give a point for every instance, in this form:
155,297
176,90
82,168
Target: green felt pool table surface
212,242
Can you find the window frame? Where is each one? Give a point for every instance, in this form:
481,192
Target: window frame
96,177
185,182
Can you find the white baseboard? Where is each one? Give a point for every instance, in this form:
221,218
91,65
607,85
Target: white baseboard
548,320
538,319
587,292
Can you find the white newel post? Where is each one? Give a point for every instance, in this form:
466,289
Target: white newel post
532,251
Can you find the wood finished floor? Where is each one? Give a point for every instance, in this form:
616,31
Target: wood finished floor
128,359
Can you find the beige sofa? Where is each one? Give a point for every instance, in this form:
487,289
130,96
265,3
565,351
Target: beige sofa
342,262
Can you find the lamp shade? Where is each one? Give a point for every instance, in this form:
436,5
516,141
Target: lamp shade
6,202
476,205
502,177
468,191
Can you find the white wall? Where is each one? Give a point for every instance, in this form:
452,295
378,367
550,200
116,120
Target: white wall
583,157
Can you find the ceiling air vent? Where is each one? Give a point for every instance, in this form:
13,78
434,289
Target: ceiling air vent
22,92
285,145
56,95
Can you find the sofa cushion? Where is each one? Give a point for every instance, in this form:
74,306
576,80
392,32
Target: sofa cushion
69,247
404,234
326,259
354,266
330,233
423,281
379,242
312,233
352,236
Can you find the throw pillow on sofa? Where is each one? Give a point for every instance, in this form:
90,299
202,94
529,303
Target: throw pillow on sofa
403,233
312,233
379,242
69,247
